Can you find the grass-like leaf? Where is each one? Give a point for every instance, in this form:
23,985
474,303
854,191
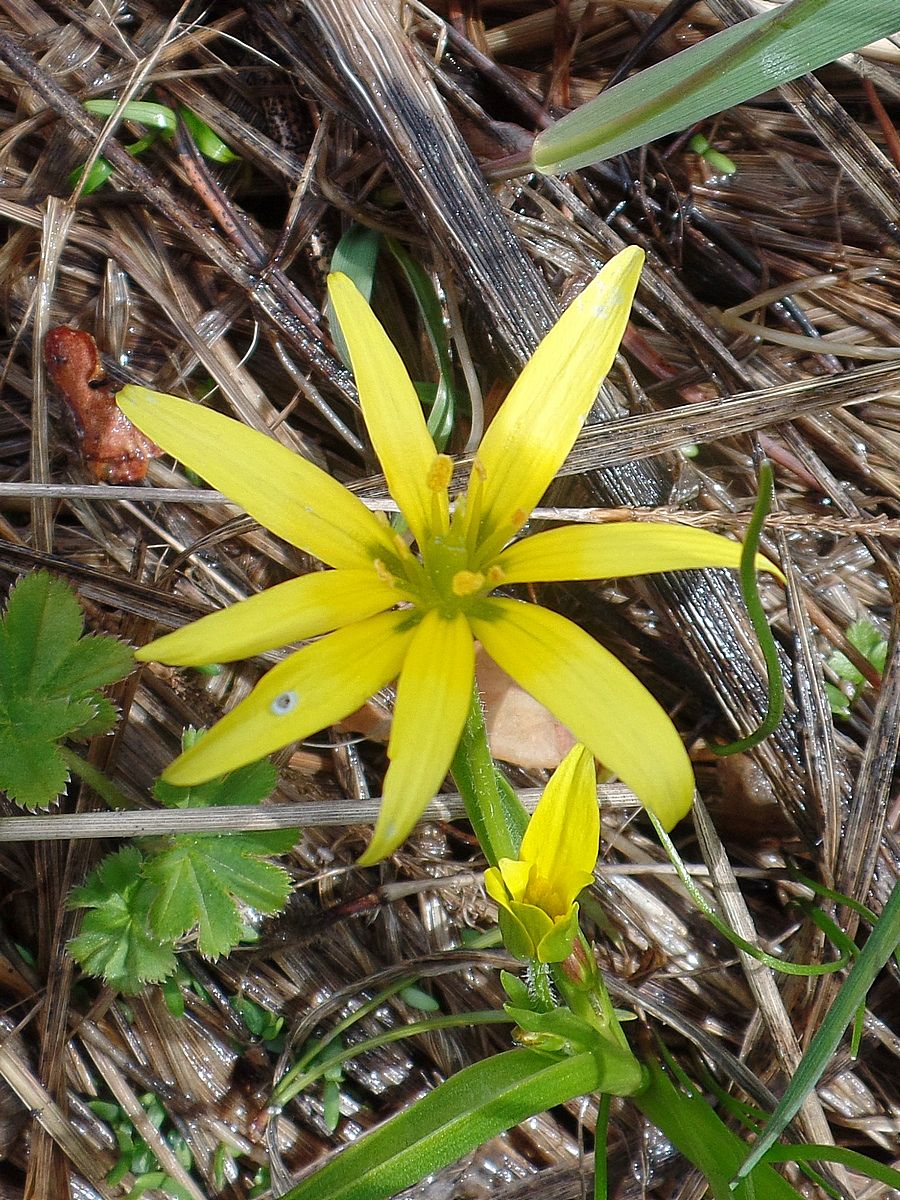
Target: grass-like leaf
465,1111
50,676
733,66
878,949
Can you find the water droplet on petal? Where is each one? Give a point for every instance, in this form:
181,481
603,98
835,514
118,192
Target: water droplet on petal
284,704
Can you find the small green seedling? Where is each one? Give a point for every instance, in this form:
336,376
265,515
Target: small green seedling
161,121
865,637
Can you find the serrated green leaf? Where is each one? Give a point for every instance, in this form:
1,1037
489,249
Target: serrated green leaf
93,662
246,785
43,620
837,701
200,878
844,668
49,681
31,770
105,716
866,638
115,941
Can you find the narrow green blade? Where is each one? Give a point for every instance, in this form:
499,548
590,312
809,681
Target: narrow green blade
460,1114
873,956
719,72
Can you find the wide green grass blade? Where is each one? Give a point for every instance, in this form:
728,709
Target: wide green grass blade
717,73
699,1133
460,1114
878,949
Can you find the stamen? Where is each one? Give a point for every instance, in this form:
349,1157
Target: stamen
403,550
467,583
495,576
439,473
383,573
437,481
474,498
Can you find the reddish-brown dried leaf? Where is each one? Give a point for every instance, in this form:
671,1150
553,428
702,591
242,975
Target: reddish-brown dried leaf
113,449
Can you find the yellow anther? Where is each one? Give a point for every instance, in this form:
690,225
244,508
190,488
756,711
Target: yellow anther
519,518
467,583
383,573
495,576
479,469
439,473
401,546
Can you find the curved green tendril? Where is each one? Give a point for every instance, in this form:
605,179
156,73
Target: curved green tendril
750,592
761,956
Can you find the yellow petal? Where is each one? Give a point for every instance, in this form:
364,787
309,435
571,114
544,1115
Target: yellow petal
495,887
598,698
626,548
285,493
390,406
562,840
434,695
510,877
288,612
536,427
311,689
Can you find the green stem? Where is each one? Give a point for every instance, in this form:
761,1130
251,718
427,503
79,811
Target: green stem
539,983
293,1084
768,960
750,592
601,1162
694,1128
96,780
496,814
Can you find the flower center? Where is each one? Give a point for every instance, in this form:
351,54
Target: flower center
451,572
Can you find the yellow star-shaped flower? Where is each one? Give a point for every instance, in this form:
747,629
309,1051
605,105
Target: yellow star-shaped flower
390,611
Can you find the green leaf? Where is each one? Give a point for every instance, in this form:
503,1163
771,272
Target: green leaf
879,947
696,1130
247,785
206,139
733,66
866,638
863,1164
99,173
199,880
142,112
445,402
356,256
49,681
837,701
460,1114
115,940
